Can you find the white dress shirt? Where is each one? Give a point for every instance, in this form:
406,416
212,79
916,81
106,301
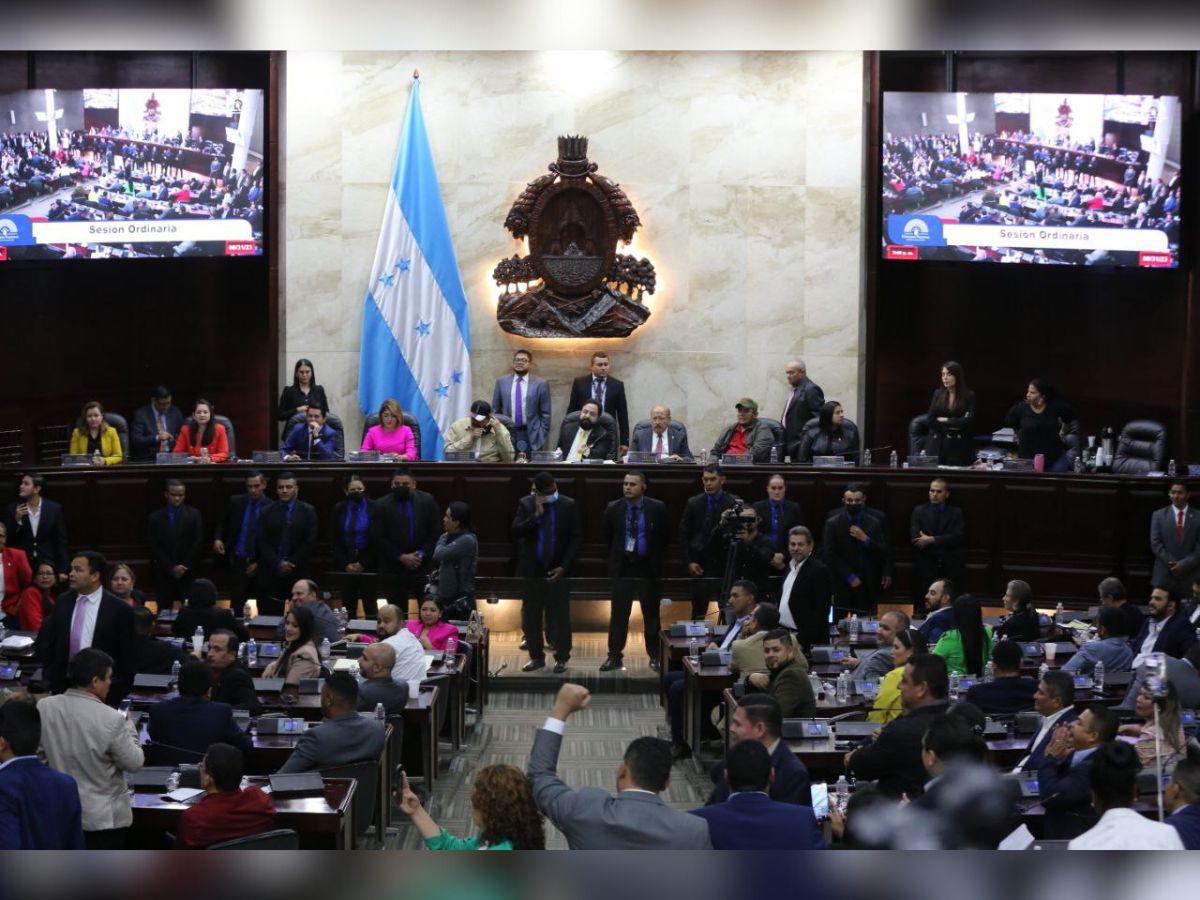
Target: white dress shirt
35,518
1148,644
91,609
1124,829
1048,724
558,726
410,657
734,630
785,612
666,443
573,455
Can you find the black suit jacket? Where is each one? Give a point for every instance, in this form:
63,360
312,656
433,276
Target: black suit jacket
301,537
699,541
154,657
394,697
599,440
391,534
894,758
343,552
657,534
235,687
181,730
1176,636
229,528
807,405
178,544
1004,696
809,601
1066,795
789,516
948,554
50,545
114,634
143,431
568,530
791,783
209,619
845,555
614,401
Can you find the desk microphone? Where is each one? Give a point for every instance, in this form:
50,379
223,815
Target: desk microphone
503,666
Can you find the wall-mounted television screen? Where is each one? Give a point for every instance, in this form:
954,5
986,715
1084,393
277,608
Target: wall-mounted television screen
1052,179
131,173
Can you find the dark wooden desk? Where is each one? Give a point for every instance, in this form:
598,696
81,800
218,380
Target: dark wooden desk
322,822
826,709
701,680
1013,520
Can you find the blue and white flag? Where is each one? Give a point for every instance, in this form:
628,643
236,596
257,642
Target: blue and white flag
416,339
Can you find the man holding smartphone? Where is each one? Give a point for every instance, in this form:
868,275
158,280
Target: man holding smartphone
482,434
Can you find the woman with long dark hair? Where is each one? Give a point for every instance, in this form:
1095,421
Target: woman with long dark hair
37,601
300,659
833,435
201,438
967,646
302,393
1041,421
950,418
502,809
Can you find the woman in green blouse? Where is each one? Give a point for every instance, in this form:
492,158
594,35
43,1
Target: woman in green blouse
502,809
967,646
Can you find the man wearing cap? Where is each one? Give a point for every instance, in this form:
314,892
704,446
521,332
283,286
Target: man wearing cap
481,434
747,435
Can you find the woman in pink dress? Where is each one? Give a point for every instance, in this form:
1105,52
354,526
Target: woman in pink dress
431,631
391,436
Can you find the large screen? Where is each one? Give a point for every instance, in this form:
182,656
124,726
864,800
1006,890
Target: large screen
131,173
1054,179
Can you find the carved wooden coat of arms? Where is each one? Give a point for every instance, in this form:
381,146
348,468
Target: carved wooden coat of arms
576,283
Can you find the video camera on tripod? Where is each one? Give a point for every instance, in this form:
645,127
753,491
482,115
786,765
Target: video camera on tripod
734,524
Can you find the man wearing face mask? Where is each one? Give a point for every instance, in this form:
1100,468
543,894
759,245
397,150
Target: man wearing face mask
588,438
404,531
548,529
856,552
350,539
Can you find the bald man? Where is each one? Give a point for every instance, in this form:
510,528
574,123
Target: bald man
803,403
661,436
409,662
377,685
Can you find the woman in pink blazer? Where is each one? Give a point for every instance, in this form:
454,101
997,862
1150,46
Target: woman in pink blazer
432,632
391,436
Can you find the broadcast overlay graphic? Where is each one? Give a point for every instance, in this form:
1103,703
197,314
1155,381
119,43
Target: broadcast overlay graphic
1051,179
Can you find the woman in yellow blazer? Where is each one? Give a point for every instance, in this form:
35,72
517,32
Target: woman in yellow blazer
93,435
905,645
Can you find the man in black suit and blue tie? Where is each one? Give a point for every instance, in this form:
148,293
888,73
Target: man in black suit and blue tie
605,390
237,533
286,540
779,515
635,529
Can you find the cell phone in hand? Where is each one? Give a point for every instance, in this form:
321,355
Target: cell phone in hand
820,800
399,775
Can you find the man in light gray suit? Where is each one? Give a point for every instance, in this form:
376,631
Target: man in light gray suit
343,738
1175,540
593,819
525,399
662,436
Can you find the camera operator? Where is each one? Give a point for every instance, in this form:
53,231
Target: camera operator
702,549
740,529
481,434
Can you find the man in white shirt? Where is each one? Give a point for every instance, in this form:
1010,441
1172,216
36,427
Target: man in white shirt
410,655
806,596
1055,701
1114,789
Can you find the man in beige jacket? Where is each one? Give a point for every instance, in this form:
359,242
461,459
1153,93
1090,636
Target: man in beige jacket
481,433
94,744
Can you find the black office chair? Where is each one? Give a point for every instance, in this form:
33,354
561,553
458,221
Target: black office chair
334,422
606,420
229,435
279,839
117,421
1141,448
918,431
1073,441
366,793
776,433
645,426
406,418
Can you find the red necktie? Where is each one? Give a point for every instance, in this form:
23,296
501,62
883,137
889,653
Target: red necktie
658,448
1179,526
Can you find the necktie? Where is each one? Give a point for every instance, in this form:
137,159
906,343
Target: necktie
787,406
1179,527
658,447
77,624
775,523
519,404
162,426
598,392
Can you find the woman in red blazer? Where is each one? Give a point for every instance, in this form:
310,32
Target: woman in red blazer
201,438
37,601
17,575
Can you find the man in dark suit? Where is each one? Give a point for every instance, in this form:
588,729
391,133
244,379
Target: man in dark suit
174,534
1112,593
894,758
39,807
700,542
587,438
1009,691
232,683
1182,799
1054,700
182,728
36,525
607,391
548,530
406,528
343,738
525,399
1165,630
286,539
1064,777
150,655
155,426
807,592
779,516
88,616
377,685
662,436
1175,541
804,403
937,534
948,740
636,532
856,551
350,542
237,534
759,718
750,819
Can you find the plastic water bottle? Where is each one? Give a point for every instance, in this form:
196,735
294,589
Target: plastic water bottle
1078,465
558,454
843,687
816,685
774,454
175,667
853,626
326,649
694,650
1171,468
989,672
1098,676
172,782
380,712
866,457
1058,612
842,792
955,685
251,652
894,460
197,640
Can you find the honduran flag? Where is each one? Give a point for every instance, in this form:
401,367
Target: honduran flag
416,338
